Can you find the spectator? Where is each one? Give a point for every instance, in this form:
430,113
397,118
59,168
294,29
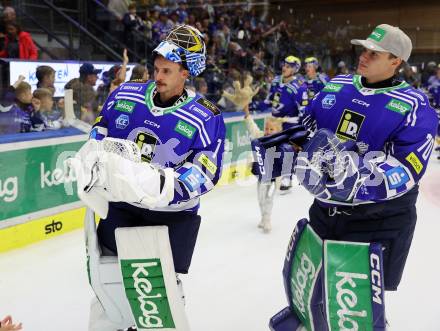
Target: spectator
23,97
44,116
8,16
139,73
133,24
112,78
161,27
84,94
201,86
118,7
181,11
7,325
13,119
18,44
46,77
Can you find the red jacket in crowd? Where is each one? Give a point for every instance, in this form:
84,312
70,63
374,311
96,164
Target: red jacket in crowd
27,48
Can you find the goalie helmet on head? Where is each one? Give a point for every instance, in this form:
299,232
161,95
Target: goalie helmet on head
184,44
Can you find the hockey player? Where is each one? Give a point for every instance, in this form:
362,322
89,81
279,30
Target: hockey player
181,139
287,99
314,80
265,190
375,136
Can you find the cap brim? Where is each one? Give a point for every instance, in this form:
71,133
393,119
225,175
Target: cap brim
97,71
368,45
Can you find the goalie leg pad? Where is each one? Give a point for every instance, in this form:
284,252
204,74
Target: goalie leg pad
138,287
149,278
354,286
285,320
334,285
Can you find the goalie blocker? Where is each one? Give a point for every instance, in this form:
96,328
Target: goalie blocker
137,287
275,155
331,285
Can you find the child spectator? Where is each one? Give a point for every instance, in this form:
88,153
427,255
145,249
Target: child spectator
265,190
23,96
46,77
43,117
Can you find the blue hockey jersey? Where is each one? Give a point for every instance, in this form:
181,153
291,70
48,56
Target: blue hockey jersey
394,130
188,137
315,85
287,99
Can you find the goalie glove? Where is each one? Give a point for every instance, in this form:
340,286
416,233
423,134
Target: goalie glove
328,168
111,170
275,154
136,182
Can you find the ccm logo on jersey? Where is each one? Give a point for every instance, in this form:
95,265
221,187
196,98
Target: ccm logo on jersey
350,125
396,177
360,102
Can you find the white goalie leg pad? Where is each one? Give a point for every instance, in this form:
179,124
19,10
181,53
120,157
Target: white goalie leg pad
111,311
149,278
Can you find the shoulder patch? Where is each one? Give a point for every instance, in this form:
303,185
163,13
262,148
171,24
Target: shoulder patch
208,105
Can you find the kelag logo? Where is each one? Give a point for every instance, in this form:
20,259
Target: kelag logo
146,293
53,227
185,129
9,189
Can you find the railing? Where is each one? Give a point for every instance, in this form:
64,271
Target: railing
103,46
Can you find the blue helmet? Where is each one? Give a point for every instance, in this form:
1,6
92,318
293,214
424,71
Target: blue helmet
184,44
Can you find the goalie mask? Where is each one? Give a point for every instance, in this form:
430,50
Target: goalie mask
184,44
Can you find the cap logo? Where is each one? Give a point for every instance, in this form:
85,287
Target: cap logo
378,34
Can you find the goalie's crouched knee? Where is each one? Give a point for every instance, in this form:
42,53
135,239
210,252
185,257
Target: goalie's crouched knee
332,285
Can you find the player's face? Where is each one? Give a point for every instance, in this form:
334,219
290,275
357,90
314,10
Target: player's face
169,76
376,66
287,70
310,69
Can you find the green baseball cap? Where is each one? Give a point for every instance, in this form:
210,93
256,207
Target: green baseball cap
387,38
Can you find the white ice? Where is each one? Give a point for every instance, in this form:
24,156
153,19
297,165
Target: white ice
235,281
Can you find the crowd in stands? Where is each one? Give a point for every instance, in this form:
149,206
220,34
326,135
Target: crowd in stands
14,42
240,40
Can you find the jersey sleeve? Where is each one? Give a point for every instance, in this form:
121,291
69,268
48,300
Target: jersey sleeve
392,173
201,170
100,126
308,114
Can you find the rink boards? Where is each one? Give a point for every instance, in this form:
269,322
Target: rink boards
38,199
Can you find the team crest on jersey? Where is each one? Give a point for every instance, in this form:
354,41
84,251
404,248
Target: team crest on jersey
208,105
147,144
350,125
329,101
